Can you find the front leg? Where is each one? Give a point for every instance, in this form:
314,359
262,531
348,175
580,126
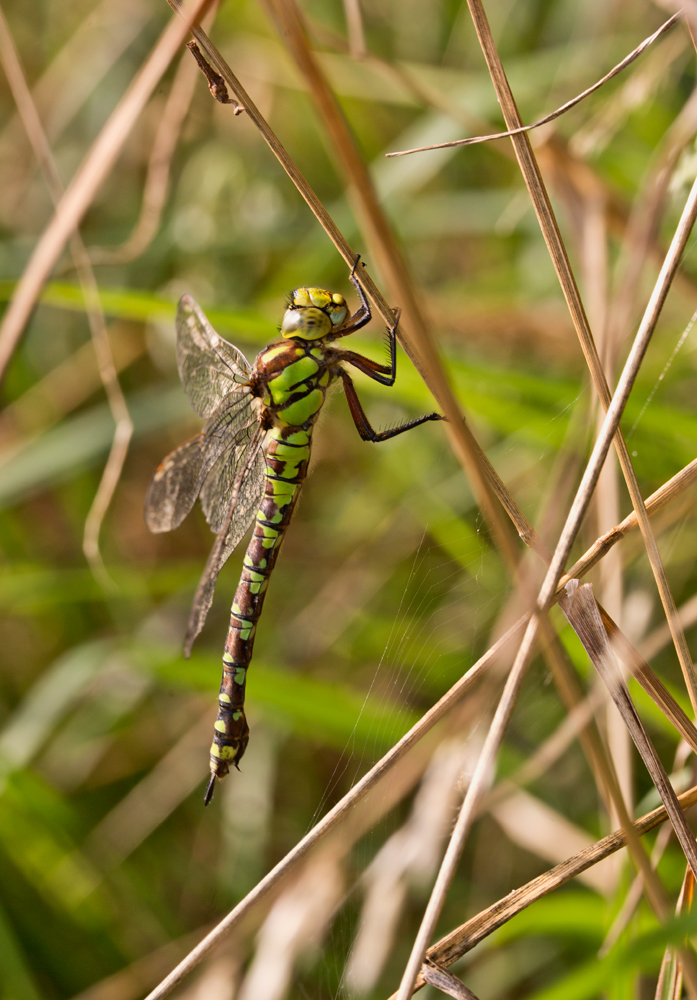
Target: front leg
363,315
384,374
362,423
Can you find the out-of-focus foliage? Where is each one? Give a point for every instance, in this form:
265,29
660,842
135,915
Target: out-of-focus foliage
388,584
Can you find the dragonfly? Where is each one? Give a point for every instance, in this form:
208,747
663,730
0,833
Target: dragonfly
250,459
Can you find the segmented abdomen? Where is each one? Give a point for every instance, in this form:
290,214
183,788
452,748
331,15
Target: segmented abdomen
287,452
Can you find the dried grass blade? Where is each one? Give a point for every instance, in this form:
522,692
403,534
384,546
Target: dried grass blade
156,185
669,985
343,808
354,26
582,613
456,944
601,546
550,230
88,179
418,345
338,813
446,982
653,686
107,369
627,61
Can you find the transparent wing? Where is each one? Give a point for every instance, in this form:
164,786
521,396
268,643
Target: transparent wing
176,484
229,436
242,489
210,368
205,463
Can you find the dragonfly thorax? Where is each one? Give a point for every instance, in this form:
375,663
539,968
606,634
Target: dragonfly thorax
314,313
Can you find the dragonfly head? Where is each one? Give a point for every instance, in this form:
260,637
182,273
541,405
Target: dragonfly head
314,313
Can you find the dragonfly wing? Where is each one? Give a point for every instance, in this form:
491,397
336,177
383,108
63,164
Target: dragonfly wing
180,477
232,432
176,484
237,488
210,367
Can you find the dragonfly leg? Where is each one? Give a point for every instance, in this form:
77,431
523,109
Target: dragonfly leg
363,426
384,374
363,315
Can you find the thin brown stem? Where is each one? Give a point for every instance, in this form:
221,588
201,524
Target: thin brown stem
464,938
82,189
581,609
344,808
105,361
555,246
627,61
415,337
341,811
156,186
546,595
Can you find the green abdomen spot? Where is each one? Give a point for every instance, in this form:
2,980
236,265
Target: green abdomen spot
291,453
291,376
303,409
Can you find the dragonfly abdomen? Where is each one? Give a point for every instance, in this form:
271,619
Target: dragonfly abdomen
287,453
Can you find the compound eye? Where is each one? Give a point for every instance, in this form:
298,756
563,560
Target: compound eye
338,316
301,297
319,297
308,323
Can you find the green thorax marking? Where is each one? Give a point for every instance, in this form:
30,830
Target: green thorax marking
296,388
281,385
301,410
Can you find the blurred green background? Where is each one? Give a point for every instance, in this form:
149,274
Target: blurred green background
388,585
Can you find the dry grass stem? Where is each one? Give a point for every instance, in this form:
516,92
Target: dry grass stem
446,982
555,246
670,978
627,61
582,612
478,784
656,640
555,569
156,186
105,361
601,546
82,189
416,339
354,26
456,944
337,814
343,808
642,228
